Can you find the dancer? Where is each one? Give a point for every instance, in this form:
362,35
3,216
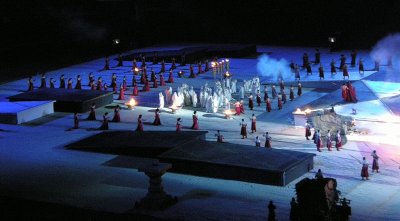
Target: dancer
338,140
76,121
279,103
117,117
104,124
243,129
361,66
170,77
69,84
317,56
91,79
178,125
257,141
220,138
251,104
329,140
30,83
268,105
52,83
318,140
364,169
353,58
333,67
140,123
299,89
375,164
121,95
43,81
106,64
62,81
291,93
321,72
92,113
308,131
78,84
157,120
253,123
258,98
345,72
267,140
195,125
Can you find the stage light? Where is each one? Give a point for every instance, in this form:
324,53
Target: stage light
332,39
116,41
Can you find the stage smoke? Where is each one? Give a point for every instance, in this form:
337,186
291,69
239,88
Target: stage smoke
272,68
387,49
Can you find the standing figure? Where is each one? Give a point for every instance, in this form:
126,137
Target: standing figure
140,123
251,104
117,117
265,93
220,138
318,140
319,175
120,61
52,83
296,72
195,125
271,211
78,84
162,66
342,61
291,93
146,86
376,68
43,81
76,121
344,91
273,91
267,140
162,82
338,140
106,63
308,68
353,58
241,106
333,67
237,108
157,120
178,125
375,164
30,83
284,97
199,71
173,63
134,64
329,140
361,67
105,87
364,169
104,124
279,103
135,90
321,72
305,60
62,81
345,72
253,123
91,78
294,210
268,105
124,84
243,129
308,131
299,89
257,141
317,56
258,98
170,77
69,84
99,86
113,84
92,85
143,62
192,75
92,113
281,85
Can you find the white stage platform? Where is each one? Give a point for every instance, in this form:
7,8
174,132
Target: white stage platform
24,111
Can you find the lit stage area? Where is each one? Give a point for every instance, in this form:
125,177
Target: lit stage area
36,165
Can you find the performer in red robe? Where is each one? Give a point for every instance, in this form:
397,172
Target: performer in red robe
142,79
251,104
375,164
241,106
291,93
308,131
170,77
268,105
52,83
321,72
30,84
91,78
99,84
281,85
237,108
344,92
279,103
76,121
69,85
329,140
117,117
162,82
121,93
243,129
146,86
195,125
153,75
162,66
338,140
135,90
267,140
351,93
318,140
124,84
364,169
157,120
305,60
140,123
78,84
299,89
155,83
62,81
345,72
43,81
192,75
104,124
92,113
253,123
92,85
143,62
258,98
178,125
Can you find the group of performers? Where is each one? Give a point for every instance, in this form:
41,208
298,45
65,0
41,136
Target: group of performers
349,93
365,165
329,138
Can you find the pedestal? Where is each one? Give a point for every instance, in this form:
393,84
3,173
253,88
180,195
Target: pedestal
156,198
300,119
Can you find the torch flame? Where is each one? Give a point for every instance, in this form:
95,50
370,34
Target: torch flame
136,69
131,103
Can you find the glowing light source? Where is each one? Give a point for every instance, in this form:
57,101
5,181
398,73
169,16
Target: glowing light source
131,104
332,39
116,41
228,114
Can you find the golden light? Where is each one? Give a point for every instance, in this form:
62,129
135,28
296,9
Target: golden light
307,111
299,111
136,69
226,60
228,114
131,104
213,64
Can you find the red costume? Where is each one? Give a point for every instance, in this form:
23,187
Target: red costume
268,105
279,103
364,169
308,131
237,108
117,117
243,130
253,124
178,126
162,82
121,93
157,120
146,86
195,125
258,99
135,90
241,108
170,77
329,141
155,84
251,105
124,85
338,140
350,93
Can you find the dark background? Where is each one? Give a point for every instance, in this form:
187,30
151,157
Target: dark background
38,35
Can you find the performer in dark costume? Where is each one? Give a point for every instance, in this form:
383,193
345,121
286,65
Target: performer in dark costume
333,67
291,93
62,81
265,93
353,58
120,61
364,169
78,84
308,67
375,164
299,89
99,86
243,130
157,120
305,60
284,97
345,72
267,140
30,84
91,79
69,84
220,138
271,211
321,72
251,104
104,124
258,98
43,81
117,117
296,72
92,113
76,121
106,63
140,123
52,83
253,123
173,64
192,75
279,103
308,131
338,140
273,91
317,56
342,61
178,125
361,67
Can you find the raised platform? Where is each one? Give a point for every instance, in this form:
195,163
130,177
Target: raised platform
67,100
24,111
189,153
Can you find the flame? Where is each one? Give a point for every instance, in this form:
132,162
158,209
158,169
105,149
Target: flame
132,102
136,69
306,111
213,64
228,112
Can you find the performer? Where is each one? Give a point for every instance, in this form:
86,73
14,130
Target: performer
162,66
99,86
78,82
92,113
157,120
351,93
279,103
364,169
120,61
30,83
146,86
62,81
299,89
273,91
265,93
173,63
271,211
253,123
338,140
281,85
155,60
113,84
117,117
258,98
143,78
69,84
333,67
199,71
319,175
267,140
296,72
162,82
344,92
76,121
134,64
124,84
257,141
376,68
170,77
361,66
284,97
291,93
329,140
143,62
321,72
268,105
251,104
43,81
92,85
375,164
305,60
152,75
104,124
195,125
105,87
178,125
155,83
52,83
107,64
192,75
207,68
140,123
318,140
353,58
91,78
241,106
237,108
308,67
342,61
220,138
345,72
308,131
134,80
317,56
243,130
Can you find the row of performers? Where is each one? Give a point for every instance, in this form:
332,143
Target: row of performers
295,69
317,60
328,139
